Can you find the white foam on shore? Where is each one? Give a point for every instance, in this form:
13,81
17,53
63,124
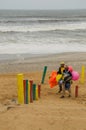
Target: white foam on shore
41,48
43,27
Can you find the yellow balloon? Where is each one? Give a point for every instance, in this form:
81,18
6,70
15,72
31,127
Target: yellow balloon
58,77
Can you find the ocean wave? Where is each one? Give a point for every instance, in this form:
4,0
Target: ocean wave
40,21
43,28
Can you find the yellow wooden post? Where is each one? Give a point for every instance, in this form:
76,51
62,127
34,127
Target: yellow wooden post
20,89
83,74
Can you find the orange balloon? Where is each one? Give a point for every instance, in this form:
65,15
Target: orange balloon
53,84
52,80
53,73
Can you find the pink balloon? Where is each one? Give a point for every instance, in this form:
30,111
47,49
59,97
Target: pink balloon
70,68
75,75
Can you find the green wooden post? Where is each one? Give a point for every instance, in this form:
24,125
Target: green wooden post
27,92
24,85
34,91
44,73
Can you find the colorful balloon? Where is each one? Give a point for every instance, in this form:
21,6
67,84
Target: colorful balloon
53,84
75,75
70,68
58,77
53,73
52,79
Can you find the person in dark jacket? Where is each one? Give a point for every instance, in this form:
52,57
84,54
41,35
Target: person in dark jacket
67,80
60,71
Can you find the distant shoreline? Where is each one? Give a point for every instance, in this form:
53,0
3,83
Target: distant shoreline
25,56
37,63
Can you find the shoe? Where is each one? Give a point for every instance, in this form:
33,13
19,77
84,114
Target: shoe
69,96
62,97
58,92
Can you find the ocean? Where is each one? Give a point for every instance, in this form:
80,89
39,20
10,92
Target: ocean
42,31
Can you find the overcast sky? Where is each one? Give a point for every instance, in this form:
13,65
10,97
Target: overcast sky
42,4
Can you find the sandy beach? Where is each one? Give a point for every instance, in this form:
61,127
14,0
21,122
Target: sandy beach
50,112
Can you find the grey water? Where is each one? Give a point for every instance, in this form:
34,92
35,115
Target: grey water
39,32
